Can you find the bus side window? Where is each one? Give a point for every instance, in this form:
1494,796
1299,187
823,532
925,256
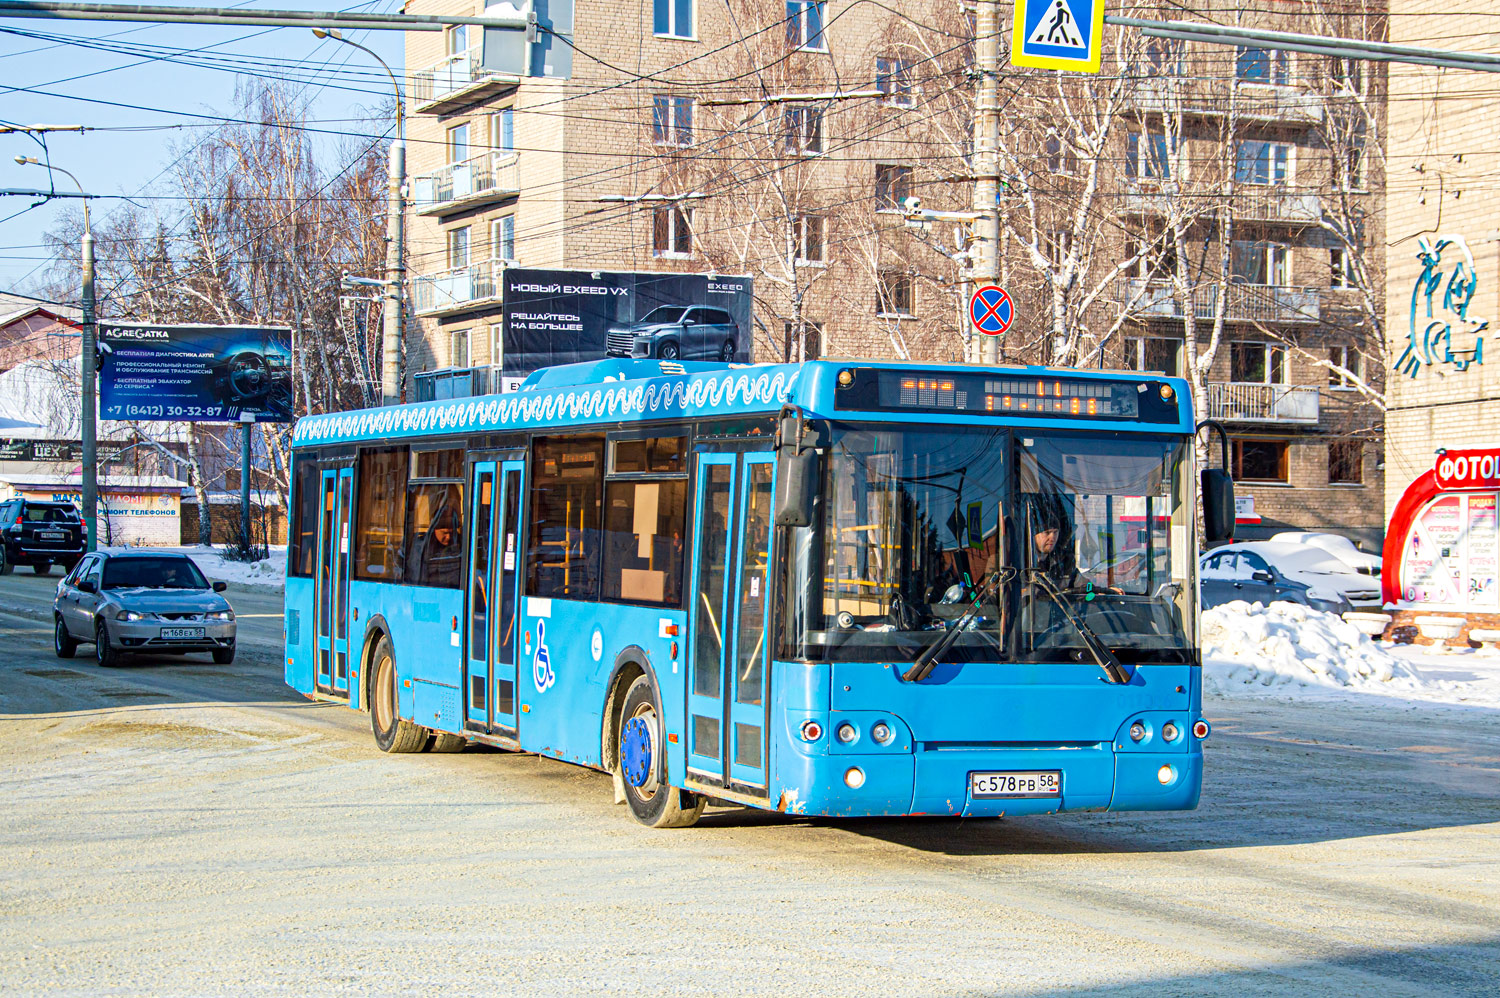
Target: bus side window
644,526
304,529
562,556
380,521
435,546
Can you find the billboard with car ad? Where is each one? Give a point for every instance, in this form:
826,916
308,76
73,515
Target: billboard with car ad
195,373
566,316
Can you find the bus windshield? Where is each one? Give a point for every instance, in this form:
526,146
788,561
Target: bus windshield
927,529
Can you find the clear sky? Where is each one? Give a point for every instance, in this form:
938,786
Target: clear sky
64,78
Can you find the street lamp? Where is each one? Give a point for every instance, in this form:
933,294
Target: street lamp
391,339
90,432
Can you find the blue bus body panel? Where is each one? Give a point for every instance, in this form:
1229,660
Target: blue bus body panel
420,622
299,624
569,651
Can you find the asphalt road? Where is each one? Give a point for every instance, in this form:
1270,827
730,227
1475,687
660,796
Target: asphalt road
176,828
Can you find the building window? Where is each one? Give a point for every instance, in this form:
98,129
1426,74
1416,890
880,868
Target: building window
457,37
1348,74
1259,460
1056,245
1257,363
671,120
672,232
1152,353
1259,262
1062,157
1342,359
1355,156
812,340
458,348
893,293
892,185
1346,464
804,25
1266,66
803,128
503,239
1339,274
458,248
1146,156
810,241
673,18
893,80
458,143
1263,163
497,349
503,130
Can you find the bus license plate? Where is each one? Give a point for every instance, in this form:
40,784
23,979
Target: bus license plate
1046,783
181,633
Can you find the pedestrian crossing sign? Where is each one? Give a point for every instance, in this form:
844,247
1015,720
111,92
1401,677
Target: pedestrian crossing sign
1058,34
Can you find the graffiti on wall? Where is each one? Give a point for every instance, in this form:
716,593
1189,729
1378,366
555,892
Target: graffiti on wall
1440,329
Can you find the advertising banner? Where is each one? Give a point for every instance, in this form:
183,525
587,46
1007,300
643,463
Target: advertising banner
564,316
195,373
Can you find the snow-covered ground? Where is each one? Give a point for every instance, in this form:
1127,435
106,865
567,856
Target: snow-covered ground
1289,650
269,571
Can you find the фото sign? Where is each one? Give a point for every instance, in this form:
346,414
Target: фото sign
195,373
1467,469
556,317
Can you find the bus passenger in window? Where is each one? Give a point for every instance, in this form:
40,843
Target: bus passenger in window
440,561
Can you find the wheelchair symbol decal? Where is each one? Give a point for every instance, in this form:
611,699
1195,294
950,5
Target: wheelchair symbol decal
541,669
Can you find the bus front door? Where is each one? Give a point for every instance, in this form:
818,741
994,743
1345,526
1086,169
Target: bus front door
333,581
490,661
727,623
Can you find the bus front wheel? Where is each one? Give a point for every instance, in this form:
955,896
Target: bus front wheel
640,744
392,733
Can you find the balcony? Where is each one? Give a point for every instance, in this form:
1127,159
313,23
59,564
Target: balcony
459,382
458,290
1155,299
479,180
455,81
1292,102
1252,203
1251,402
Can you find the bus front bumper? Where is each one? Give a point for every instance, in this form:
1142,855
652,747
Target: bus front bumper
938,781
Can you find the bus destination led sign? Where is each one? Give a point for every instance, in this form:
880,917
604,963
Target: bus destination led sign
980,394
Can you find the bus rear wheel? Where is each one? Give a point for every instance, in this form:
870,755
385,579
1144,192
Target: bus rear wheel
392,733
640,744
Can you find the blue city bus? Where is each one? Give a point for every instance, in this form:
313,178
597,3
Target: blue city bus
834,588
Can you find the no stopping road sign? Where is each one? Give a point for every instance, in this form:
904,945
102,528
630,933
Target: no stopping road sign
991,310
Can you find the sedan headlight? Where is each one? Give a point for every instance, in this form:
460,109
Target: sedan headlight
132,615
219,616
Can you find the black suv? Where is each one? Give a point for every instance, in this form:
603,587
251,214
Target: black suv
39,534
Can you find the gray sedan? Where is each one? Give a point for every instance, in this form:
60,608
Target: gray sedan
141,602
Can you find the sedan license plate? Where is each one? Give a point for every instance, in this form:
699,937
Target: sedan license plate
1044,783
52,535
181,633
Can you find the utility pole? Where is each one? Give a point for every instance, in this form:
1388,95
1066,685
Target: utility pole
985,255
392,344
89,469
247,423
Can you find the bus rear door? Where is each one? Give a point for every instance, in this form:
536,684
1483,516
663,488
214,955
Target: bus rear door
494,557
727,622
333,581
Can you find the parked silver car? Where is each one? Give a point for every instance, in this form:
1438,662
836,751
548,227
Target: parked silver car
141,603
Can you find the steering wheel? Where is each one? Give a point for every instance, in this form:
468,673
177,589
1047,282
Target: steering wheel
248,374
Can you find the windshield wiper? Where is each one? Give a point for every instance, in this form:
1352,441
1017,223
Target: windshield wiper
1117,671
927,661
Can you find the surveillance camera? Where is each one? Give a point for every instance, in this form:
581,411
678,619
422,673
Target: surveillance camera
912,204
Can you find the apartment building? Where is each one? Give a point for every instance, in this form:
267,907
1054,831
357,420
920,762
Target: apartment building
1257,165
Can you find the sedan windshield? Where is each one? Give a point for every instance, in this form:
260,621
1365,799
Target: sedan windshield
925,530
153,573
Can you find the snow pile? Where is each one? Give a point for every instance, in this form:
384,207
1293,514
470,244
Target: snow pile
1290,645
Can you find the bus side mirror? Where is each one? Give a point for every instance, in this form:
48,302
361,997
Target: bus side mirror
798,472
1218,505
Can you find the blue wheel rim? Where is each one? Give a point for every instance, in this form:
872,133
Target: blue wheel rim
635,752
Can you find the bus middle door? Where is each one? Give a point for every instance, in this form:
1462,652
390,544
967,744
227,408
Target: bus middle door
490,659
333,581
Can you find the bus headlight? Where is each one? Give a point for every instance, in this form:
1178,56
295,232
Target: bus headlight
1166,775
1137,731
1169,731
